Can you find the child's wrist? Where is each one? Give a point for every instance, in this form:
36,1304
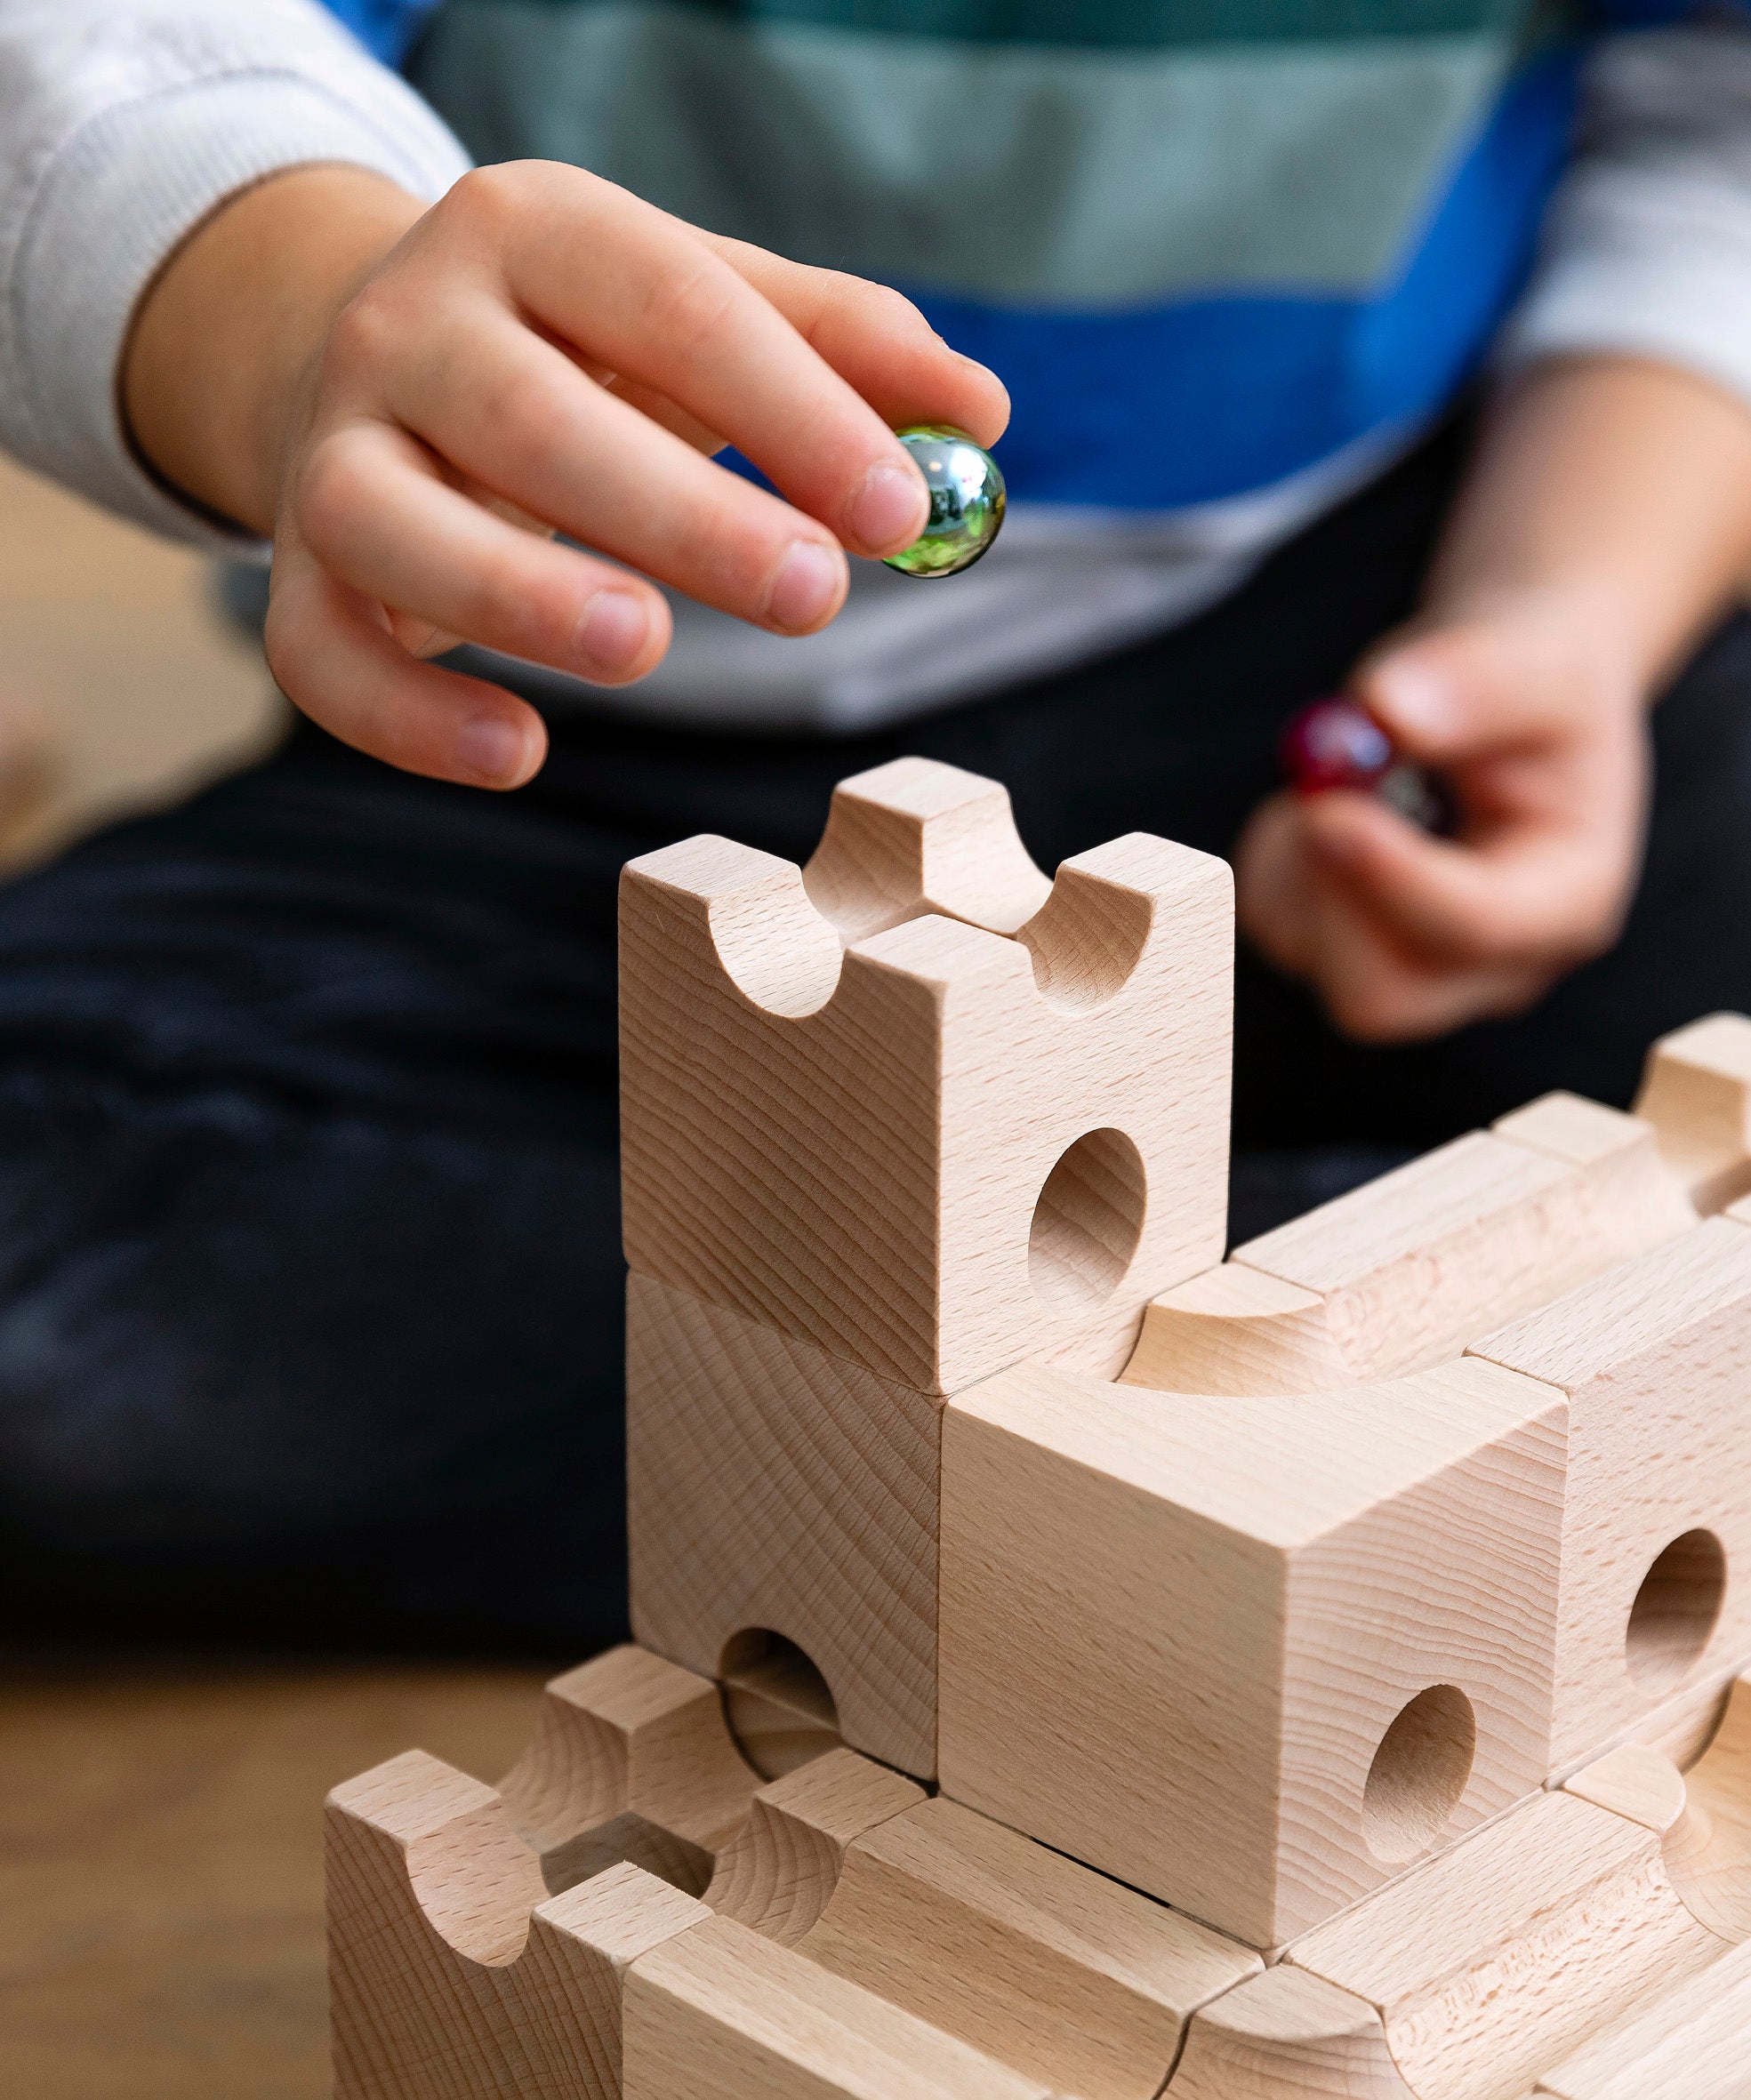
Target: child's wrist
224,341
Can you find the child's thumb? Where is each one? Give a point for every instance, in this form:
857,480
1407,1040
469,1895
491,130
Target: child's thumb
1446,693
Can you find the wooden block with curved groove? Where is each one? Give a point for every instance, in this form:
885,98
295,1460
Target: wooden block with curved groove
451,1970
720,2014
1252,1655
771,1485
627,1735
938,1149
778,1871
1405,1270
1038,1961
1691,2044
1708,1848
1287,2036
1655,1359
1491,1962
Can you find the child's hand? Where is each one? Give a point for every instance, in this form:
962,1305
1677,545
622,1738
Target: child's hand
1606,526
540,349
1530,723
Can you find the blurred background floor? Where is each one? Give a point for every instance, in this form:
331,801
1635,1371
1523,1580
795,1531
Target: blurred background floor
160,1818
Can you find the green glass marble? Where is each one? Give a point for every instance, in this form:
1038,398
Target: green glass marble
966,486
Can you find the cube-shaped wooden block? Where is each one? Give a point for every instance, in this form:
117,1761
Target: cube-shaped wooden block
1252,1655
933,1148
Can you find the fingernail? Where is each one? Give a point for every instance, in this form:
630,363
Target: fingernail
615,629
490,747
890,509
807,587
1412,699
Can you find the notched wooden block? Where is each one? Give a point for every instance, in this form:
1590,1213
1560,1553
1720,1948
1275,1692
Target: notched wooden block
932,1148
1696,1091
1251,1655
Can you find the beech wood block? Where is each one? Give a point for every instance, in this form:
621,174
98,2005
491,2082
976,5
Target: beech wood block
1404,1271
939,1148
1250,1654
1287,2036
1694,2044
1495,1961
1655,1358
771,1485
1708,1848
627,1738
1697,1094
719,2013
1040,1963
450,1971
777,1874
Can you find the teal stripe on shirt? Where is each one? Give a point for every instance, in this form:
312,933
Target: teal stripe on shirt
1131,25
1069,178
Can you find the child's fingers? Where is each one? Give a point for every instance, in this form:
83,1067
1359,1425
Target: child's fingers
1533,895
512,413
877,340
647,296
345,671
377,517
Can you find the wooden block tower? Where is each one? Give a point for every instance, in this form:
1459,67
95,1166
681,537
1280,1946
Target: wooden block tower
1069,1662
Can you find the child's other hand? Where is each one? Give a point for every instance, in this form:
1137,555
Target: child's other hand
404,394
1543,745
1605,526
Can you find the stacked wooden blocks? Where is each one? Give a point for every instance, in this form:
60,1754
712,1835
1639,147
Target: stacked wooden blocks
1069,1662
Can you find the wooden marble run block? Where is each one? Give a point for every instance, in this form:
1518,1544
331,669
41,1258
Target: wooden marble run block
719,2013
1493,1962
933,1148
452,1971
1694,2044
1039,1962
628,1749
1405,1270
1697,1094
1251,1655
773,1485
1655,1359
778,1872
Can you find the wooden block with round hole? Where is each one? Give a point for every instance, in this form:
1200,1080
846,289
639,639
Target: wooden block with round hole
929,1146
1655,1359
1253,1655
773,1490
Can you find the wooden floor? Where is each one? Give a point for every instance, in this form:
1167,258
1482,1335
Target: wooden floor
161,1867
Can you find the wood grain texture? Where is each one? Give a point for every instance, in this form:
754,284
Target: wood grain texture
916,837
1033,1959
881,1149
1693,2044
1655,1358
1175,1633
450,1977
1709,1849
772,1485
1697,1093
1633,1780
628,1732
721,2014
1495,1961
776,1874
1405,1270
1287,2036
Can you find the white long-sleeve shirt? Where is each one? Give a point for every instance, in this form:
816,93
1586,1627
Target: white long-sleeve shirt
122,127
